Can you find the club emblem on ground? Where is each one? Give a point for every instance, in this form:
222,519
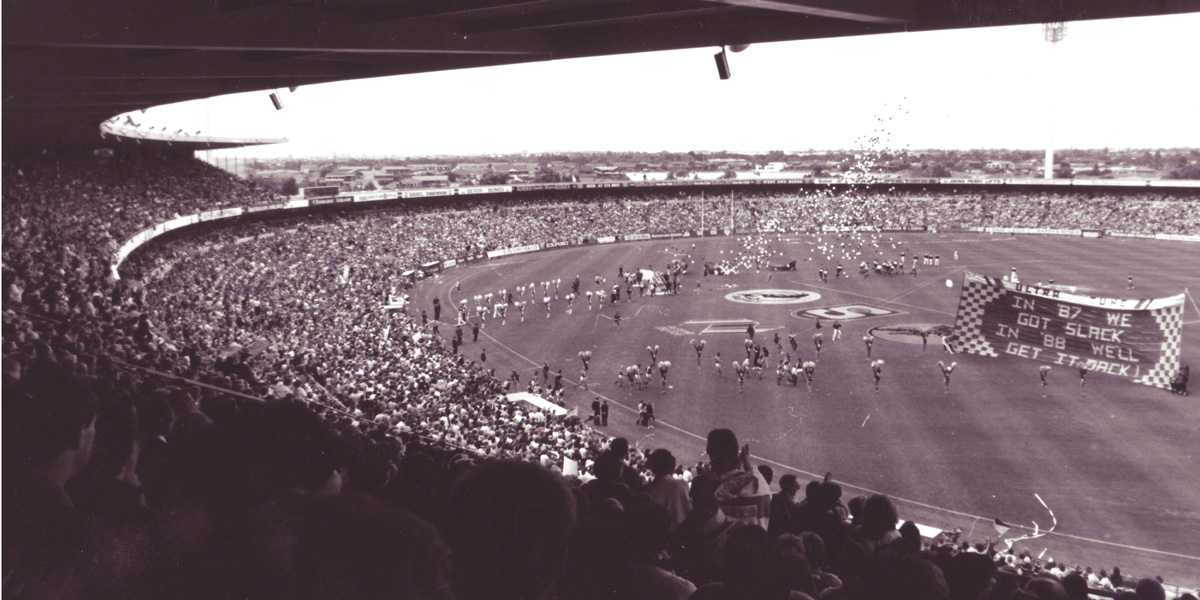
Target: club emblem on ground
772,296
910,333
845,312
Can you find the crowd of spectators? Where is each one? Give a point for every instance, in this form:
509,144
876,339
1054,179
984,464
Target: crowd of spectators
142,468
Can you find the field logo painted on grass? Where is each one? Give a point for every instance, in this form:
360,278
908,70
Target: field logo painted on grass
845,312
911,333
772,297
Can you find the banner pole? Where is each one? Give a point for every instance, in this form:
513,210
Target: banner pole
1188,293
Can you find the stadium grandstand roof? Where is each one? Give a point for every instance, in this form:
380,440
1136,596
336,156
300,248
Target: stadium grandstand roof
130,131
69,65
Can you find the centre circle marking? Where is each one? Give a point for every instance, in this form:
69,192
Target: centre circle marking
772,297
911,333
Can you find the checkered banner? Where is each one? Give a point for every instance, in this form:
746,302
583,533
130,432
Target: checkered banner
1135,339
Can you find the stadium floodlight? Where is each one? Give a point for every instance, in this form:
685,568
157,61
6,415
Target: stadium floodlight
722,64
1053,33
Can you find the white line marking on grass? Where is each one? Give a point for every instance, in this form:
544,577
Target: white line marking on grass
1019,262
639,310
913,289
640,443
501,264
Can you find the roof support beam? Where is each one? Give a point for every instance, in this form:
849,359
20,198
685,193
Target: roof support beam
201,48
862,11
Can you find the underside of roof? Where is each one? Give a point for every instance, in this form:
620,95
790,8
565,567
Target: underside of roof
69,65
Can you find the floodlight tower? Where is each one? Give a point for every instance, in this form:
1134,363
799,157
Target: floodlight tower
1053,33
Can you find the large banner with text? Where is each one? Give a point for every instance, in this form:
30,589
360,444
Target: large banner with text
1135,339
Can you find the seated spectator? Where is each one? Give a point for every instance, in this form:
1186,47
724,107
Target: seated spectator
814,552
794,565
783,504
879,524
155,419
1075,586
1116,578
821,512
1045,588
665,489
909,533
607,483
767,473
855,507
629,476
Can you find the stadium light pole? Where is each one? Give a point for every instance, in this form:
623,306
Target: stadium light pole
1053,33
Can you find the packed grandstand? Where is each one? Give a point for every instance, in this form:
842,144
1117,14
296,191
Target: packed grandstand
262,429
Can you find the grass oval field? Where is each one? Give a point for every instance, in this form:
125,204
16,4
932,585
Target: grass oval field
1118,464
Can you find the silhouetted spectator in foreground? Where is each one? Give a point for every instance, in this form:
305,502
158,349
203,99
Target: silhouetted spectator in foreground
649,526
878,524
969,575
752,566
508,524
700,539
783,503
49,431
1149,589
666,490
814,551
1073,584
607,483
354,546
1045,588
767,472
912,535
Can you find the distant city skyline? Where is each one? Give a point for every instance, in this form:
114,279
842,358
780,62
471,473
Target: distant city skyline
1119,84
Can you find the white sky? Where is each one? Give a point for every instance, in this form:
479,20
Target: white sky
1127,83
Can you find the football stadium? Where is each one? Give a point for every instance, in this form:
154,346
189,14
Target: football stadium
709,382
